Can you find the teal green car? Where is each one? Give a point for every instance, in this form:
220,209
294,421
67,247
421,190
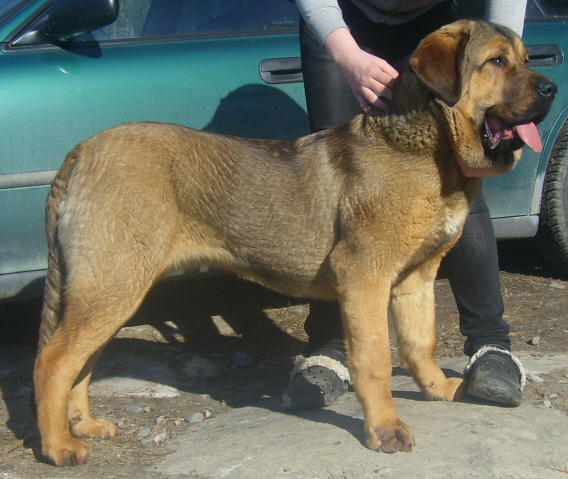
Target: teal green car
71,68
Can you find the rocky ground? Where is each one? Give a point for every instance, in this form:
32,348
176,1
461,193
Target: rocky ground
198,349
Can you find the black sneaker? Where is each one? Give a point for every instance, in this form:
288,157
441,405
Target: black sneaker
494,374
317,380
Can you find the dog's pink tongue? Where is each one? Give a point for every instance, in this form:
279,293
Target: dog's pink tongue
529,134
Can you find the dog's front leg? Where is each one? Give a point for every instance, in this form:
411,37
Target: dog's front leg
364,303
413,310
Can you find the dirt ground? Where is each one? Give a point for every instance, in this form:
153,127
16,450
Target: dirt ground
240,341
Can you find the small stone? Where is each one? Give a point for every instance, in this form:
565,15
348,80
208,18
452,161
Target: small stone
144,431
155,439
160,438
194,417
207,414
120,423
242,360
557,285
535,341
134,409
533,378
177,422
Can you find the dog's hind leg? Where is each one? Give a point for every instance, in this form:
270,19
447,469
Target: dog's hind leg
413,310
91,317
81,422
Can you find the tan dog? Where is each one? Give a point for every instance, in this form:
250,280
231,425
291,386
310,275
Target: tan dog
362,214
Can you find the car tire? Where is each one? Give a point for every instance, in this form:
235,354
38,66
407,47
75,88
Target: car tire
553,225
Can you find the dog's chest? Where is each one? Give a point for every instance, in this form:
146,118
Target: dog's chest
443,231
452,220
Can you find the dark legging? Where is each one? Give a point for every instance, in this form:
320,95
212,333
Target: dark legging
472,265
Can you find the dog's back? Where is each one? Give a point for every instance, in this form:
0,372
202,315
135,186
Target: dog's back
207,198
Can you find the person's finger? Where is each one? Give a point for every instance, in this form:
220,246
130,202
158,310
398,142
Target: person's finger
371,98
380,89
363,103
382,104
389,70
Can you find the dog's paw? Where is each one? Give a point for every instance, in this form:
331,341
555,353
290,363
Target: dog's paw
92,427
70,452
390,439
450,390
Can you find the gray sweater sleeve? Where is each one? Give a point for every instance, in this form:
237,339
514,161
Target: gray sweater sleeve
510,13
322,16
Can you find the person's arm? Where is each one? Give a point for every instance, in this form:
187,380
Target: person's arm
509,13
367,75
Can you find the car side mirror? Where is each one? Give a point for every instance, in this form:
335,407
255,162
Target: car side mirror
72,18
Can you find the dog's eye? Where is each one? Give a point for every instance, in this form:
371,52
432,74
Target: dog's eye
500,61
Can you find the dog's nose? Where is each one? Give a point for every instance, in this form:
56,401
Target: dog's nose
547,89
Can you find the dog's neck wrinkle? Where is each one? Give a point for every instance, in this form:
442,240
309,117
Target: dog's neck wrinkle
408,129
412,123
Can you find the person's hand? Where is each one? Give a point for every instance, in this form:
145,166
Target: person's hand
369,77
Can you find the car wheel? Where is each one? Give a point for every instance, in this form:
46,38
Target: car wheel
553,226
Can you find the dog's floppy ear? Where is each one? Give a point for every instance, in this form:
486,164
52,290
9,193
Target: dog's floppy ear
437,60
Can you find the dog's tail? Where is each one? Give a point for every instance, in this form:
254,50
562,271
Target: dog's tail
53,302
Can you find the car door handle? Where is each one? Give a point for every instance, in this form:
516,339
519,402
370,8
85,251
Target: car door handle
281,70
544,55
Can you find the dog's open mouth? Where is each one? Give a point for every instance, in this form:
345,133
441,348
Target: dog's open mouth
499,134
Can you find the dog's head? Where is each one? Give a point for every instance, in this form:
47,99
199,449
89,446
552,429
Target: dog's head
492,100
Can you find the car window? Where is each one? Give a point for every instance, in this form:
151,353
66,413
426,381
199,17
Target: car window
9,6
157,18
542,9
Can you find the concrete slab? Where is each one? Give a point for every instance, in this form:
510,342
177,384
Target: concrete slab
453,440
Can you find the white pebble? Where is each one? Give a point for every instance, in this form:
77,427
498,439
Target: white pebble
134,409
194,417
144,431
533,378
160,437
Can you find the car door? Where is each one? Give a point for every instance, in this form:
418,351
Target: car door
229,66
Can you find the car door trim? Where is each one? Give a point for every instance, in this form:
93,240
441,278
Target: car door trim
26,180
